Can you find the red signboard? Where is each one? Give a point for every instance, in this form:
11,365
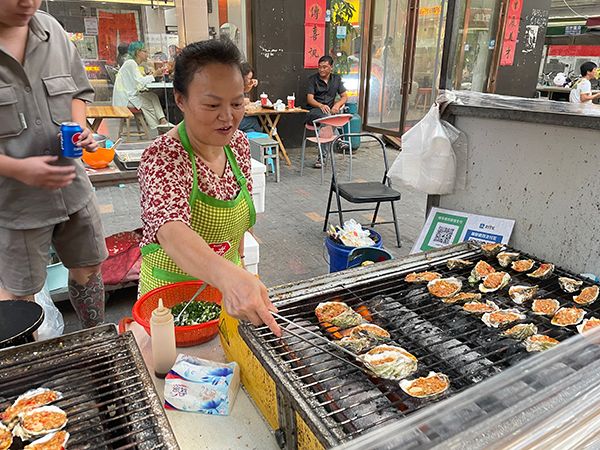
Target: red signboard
574,50
511,32
315,12
314,45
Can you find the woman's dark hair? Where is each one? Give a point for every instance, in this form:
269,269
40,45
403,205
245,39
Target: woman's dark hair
196,56
587,67
246,69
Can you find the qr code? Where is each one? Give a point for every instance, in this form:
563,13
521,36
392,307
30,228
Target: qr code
443,235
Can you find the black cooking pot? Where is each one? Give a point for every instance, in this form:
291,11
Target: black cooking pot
18,320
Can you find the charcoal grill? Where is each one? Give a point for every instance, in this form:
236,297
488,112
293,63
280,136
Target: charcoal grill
109,396
339,402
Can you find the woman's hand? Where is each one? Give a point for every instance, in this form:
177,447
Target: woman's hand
246,298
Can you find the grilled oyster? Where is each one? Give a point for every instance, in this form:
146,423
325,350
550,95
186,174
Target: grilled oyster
545,306
457,263
480,308
494,282
6,438
491,250
421,277
544,271
338,314
365,336
431,385
444,287
522,294
587,296
569,285
462,297
521,331
52,441
390,362
481,270
522,265
586,325
505,258
568,316
502,317
39,422
539,343
28,401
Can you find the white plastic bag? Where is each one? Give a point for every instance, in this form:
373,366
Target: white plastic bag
427,161
53,324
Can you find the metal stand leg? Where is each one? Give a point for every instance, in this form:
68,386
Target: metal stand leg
302,154
375,214
396,225
328,208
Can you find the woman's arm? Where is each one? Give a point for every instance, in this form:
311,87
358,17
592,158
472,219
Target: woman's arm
244,296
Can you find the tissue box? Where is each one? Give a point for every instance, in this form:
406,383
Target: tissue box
203,386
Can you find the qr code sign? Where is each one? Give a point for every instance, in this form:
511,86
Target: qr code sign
443,235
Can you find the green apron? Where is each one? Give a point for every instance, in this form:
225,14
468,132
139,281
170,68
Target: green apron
220,223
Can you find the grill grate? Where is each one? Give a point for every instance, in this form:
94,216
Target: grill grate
108,394
443,337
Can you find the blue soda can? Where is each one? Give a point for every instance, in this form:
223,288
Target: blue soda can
69,135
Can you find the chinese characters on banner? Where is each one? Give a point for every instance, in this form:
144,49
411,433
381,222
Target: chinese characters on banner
314,32
511,32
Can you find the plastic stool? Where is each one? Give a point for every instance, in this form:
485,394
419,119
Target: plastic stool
256,135
266,150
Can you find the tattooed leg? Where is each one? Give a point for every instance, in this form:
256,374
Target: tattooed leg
86,292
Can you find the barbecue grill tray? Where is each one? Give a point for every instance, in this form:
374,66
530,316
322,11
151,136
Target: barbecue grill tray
340,402
109,396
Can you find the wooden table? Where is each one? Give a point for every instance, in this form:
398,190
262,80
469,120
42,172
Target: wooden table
269,118
95,114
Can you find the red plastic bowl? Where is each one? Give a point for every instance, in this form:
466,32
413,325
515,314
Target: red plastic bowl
171,295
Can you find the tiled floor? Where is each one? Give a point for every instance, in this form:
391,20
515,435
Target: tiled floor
289,231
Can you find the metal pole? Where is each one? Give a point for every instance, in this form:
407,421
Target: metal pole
385,55
437,53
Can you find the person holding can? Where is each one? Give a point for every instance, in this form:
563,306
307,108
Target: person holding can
196,186
45,198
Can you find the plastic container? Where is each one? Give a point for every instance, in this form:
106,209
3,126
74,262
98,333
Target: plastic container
251,253
171,295
259,185
338,253
99,159
162,329
57,276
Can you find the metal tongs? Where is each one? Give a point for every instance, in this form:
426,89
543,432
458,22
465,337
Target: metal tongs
321,338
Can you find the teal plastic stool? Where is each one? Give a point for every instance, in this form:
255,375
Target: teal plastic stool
266,150
256,135
360,255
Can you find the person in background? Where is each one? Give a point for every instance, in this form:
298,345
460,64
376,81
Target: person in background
582,91
45,199
122,53
196,185
173,52
323,89
130,87
250,123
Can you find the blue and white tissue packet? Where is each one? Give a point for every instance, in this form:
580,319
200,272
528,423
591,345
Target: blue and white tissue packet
203,386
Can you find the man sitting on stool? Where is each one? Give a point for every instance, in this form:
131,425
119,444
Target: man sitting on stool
323,87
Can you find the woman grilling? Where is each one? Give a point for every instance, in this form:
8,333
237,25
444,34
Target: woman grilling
196,186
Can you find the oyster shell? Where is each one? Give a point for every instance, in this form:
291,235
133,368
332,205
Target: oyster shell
26,402
421,277
6,438
480,308
444,287
51,441
389,362
494,282
490,250
39,422
522,265
544,271
462,297
363,337
457,263
481,270
545,306
338,314
506,258
539,343
433,384
588,324
587,295
569,285
502,317
521,331
522,294
568,316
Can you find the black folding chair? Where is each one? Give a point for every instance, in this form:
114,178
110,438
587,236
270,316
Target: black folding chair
377,192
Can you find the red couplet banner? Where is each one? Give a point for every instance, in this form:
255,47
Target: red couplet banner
511,32
315,12
314,32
